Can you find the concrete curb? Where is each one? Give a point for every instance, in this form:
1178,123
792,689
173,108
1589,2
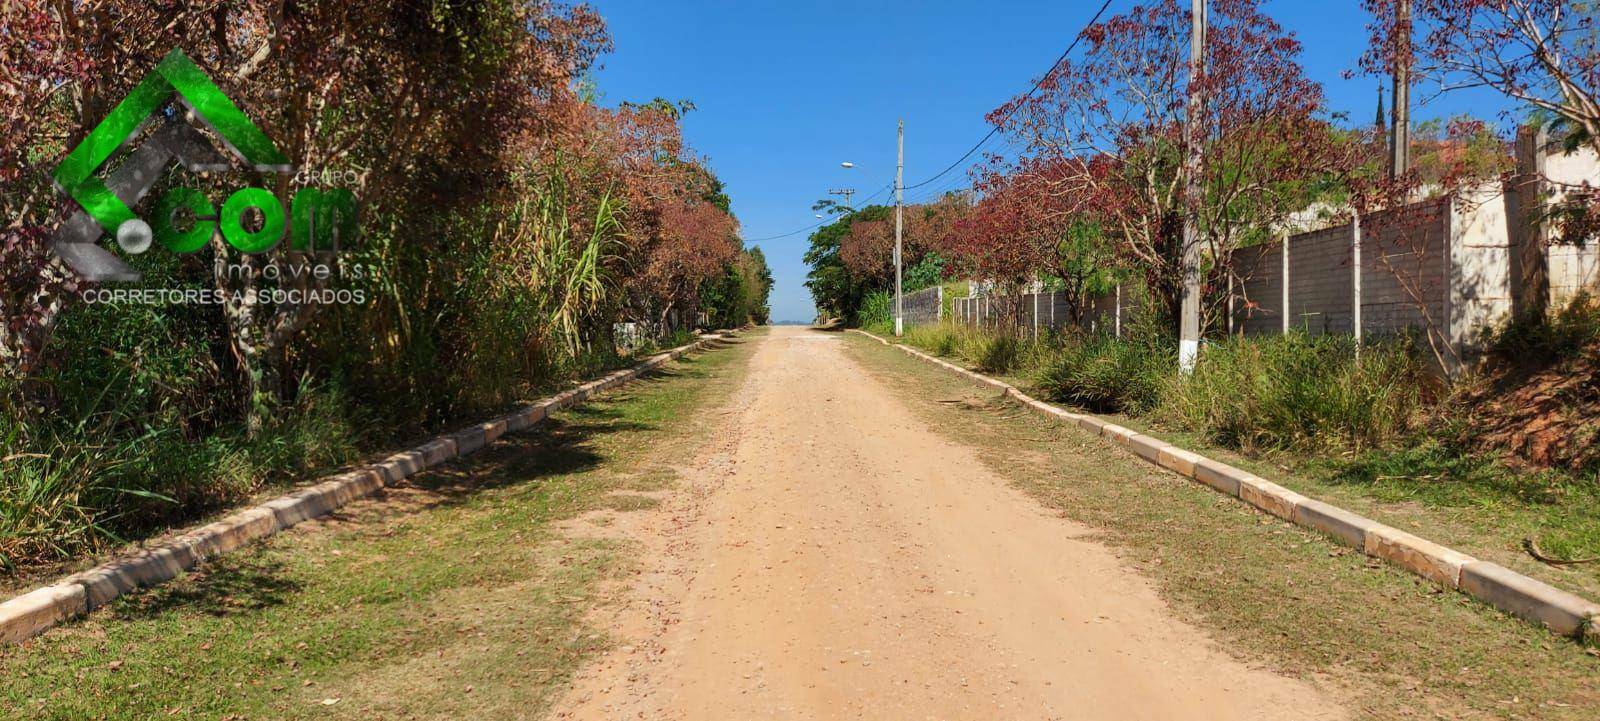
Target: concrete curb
33,613
1507,590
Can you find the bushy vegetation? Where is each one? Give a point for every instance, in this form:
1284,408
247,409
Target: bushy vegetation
1381,419
1564,332
508,221
1107,374
1290,393
1299,392
877,310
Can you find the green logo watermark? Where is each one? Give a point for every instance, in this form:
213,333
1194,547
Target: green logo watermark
316,219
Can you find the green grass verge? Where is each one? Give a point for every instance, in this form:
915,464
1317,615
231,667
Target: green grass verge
1390,644
1291,411
449,597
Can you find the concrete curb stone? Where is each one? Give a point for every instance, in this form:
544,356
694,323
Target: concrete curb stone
492,430
1527,598
1514,593
437,451
32,613
1418,555
1344,526
469,440
1219,475
1270,497
1147,447
1179,461
399,466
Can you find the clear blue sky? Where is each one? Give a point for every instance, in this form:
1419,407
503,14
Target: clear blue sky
787,90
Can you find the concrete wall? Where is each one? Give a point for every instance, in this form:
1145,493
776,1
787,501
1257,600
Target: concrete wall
923,306
1480,266
1449,269
1440,268
1572,268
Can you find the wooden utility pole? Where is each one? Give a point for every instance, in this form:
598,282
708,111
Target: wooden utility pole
1400,132
1189,312
899,225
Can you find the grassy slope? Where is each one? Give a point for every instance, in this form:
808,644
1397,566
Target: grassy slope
1393,644
451,597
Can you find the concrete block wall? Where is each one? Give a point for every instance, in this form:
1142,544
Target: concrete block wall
1406,256
1320,285
923,306
1105,313
1480,281
1258,307
1439,267
1547,173
1572,268
1449,268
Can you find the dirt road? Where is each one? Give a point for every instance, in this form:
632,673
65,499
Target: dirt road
830,557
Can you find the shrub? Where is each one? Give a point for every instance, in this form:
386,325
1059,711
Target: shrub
877,310
1563,333
1299,392
1106,374
993,352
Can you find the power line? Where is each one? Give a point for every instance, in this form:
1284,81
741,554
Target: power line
1031,91
947,186
820,223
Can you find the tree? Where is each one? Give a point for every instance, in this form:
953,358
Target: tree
697,242
1544,54
836,291
1110,129
867,250
38,65
739,296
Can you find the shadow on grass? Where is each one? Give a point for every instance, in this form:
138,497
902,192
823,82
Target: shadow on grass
249,582
222,587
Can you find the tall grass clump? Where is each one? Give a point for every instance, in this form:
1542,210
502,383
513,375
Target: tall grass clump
982,349
877,312
131,427
941,339
79,484
992,352
1106,374
1299,392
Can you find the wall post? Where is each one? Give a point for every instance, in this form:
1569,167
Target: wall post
1286,322
1530,261
1036,317
1119,311
1355,278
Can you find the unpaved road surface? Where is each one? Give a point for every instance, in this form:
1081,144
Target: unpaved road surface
830,557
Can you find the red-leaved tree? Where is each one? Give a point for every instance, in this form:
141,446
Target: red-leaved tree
1110,126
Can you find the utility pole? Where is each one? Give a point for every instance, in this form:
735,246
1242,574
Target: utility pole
899,225
1189,312
848,193
1400,133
